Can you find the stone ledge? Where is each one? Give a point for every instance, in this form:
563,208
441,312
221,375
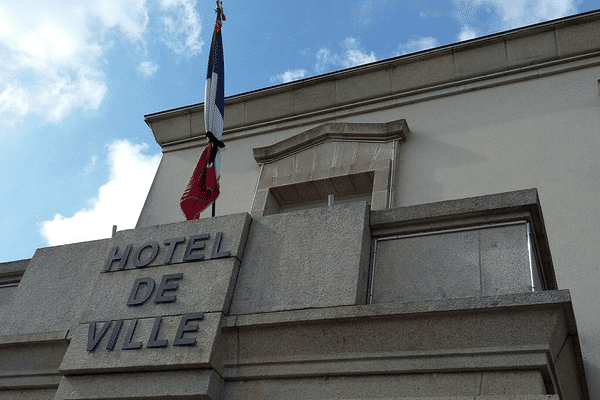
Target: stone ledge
32,338
471,212
191,384
507,397
13,270
548,297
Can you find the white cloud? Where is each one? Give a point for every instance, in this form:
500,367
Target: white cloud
418,44
289,76
52,53
182,25
119,202
352,55
147,68
514,13
466,33
91,166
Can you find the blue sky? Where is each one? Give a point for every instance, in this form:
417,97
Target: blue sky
77,78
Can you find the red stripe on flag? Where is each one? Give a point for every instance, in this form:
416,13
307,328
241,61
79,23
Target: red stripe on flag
202,189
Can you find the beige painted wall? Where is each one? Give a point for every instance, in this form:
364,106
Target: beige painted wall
540,132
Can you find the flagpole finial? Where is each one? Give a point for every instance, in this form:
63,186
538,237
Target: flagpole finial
220,14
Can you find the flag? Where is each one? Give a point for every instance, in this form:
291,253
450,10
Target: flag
203,187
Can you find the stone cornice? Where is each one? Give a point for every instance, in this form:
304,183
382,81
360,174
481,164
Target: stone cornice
393,130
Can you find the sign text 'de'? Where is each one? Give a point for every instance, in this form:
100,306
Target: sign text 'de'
142,290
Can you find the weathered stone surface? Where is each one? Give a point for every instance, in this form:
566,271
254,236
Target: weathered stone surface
512,383
571,39
430,267
190,384
314,97
79,360
401,340
312,258
205,286
31,361
504,260
260,108
521,205
423,72
31,394
54,288
357,387
531,49
475,60
479,262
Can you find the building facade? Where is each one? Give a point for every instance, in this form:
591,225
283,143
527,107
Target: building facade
378,235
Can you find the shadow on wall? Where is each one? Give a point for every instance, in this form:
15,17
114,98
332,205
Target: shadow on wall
418,177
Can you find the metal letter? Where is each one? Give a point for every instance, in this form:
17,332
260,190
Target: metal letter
128,344
92,338
132,301
165,286
184,327
153,341
216,245
191,246
172,243
122,259
114,335
136,259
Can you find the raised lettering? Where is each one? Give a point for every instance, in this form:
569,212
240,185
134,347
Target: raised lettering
134,300
94,339
193,246
185,327
153,341
128,344
172,244
167,286
216,245
136,259
115,257
114,335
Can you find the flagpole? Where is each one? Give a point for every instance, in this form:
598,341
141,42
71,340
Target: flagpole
203,187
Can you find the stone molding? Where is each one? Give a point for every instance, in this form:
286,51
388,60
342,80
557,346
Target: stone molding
394,130
325,160
524,49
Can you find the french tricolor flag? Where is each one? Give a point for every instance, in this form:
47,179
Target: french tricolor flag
203,187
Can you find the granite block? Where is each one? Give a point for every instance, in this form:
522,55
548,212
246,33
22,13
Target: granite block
356,387
204,286
362,86
571,377
289,264
476,60
190,384
314,97
422,72
427,268
262,108
112,356
574,39
531,49
504,260
54,288
31,394
513,383
234,114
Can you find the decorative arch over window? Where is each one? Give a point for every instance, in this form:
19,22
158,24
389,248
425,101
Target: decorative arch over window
352,161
